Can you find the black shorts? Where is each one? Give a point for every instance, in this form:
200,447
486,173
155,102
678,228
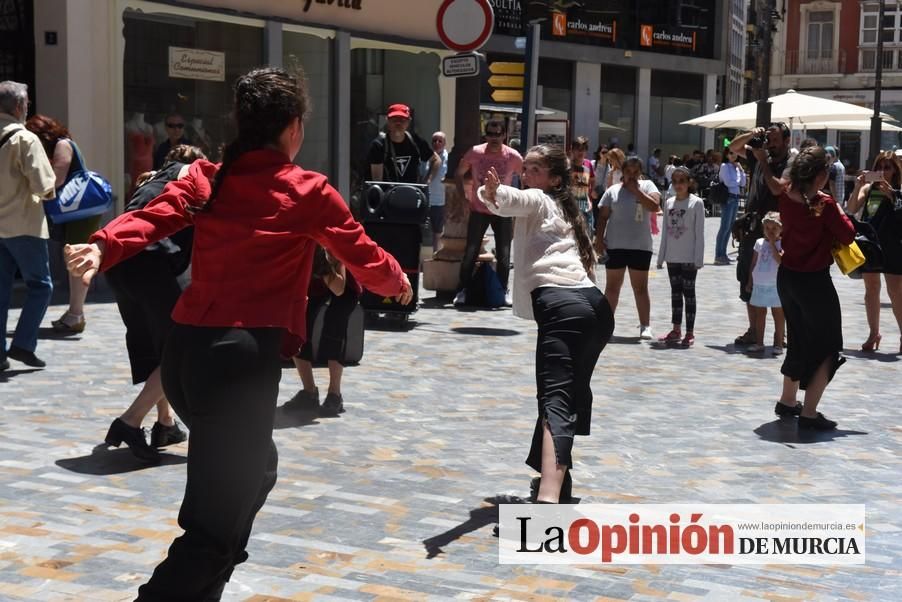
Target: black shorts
633,259
146,291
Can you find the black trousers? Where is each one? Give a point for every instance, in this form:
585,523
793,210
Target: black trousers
813,323
682,286
575,324
503,227
223,383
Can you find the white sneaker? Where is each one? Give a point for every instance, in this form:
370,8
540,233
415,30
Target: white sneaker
461,297
645,333
508,300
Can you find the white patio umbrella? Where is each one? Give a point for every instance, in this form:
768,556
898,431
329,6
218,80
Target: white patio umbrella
859,125
791,107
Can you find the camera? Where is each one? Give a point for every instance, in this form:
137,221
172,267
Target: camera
757,142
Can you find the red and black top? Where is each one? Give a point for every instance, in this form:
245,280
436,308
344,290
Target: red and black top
808,238
253,252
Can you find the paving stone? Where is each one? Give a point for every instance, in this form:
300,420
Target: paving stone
394,499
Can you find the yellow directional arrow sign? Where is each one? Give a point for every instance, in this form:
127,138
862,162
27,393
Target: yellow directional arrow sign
507,68
507,95
506,81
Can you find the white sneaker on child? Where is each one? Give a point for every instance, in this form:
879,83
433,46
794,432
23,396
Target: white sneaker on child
645,333
461,297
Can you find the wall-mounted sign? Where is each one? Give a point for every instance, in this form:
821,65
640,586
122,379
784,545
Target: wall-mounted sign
662,37
460,65
665,26
191,63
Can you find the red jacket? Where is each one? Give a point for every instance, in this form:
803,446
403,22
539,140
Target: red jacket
808,239
253,251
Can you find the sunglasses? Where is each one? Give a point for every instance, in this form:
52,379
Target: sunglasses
494,134
680,181
175,126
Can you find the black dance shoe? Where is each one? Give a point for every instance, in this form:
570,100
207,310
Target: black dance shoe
134,438
332,406
818,423
781,409
162,435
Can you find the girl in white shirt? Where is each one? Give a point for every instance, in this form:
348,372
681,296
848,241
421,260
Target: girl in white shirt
554,285
766,260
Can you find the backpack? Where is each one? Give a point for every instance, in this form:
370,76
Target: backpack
485,288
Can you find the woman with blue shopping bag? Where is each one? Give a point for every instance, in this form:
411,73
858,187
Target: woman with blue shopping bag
82,198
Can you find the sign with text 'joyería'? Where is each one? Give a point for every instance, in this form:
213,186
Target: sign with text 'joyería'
465,25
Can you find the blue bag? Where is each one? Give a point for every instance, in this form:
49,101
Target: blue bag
85,194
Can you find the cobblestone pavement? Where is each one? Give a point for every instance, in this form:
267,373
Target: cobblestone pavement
394,499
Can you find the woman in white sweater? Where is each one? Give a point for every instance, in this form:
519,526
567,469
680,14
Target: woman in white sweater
683,248
555,285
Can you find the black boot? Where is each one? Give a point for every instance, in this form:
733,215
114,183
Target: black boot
134,438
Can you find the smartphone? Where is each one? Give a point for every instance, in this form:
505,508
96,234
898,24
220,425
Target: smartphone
873,176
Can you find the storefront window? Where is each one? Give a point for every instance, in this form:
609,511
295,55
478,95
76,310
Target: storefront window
383,77
556,80
618,105
675,97
314,55
891,140
179,71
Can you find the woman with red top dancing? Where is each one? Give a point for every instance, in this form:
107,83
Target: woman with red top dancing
812,224
257,219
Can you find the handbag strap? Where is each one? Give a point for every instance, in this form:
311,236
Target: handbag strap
9,135
78,156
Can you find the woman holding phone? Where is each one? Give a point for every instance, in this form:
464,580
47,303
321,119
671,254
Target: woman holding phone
877,195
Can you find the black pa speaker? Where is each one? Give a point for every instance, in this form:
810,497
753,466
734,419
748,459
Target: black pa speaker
395,203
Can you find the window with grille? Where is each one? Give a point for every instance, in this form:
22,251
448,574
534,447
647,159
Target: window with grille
888,31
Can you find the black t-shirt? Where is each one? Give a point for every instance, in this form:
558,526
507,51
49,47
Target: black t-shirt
400,161
761,200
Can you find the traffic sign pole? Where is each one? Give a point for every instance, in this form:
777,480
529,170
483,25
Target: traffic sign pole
527,121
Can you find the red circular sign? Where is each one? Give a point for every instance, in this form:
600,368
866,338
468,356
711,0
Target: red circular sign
472,37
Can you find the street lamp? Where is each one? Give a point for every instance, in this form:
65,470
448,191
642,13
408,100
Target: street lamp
876,122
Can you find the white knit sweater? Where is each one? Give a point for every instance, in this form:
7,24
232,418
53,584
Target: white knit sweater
545,250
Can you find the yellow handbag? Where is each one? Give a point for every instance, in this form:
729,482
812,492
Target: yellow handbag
848,257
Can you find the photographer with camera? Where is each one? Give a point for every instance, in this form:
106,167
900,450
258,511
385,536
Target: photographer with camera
767,151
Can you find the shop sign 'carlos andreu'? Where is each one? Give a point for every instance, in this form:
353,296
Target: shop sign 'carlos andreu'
355,4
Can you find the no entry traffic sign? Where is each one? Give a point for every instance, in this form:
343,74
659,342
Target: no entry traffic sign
465,25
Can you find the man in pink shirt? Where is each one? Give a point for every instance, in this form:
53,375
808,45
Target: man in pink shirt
477,161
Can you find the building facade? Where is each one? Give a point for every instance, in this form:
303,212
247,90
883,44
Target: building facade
113,71
828,48
624,71
734,79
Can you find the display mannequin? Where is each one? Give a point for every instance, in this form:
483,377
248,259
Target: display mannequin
139,147
199,136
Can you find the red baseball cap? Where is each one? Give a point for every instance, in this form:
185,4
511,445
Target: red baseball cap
399,110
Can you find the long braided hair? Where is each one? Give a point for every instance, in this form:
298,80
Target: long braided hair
555,159
267,100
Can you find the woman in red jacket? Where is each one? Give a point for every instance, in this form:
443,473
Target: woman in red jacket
812,224
257,219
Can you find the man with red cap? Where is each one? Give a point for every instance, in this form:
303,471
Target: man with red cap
396,156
